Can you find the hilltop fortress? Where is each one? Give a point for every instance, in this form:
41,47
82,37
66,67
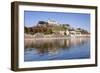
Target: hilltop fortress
52,28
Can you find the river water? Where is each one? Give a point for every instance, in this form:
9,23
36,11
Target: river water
57,49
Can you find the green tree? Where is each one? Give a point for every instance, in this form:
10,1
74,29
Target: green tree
66,27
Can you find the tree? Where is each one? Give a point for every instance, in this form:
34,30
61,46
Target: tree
42,22
26,30
82,31
66,27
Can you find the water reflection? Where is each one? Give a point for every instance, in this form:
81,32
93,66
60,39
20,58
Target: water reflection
56,49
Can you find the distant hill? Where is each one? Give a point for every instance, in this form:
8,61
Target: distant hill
50,27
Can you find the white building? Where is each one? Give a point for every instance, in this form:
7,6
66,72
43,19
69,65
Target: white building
52,22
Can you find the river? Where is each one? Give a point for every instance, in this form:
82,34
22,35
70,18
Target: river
57,49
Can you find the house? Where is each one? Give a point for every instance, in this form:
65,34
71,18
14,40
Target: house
52,22
74,32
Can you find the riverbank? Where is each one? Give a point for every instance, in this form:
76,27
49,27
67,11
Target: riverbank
30,37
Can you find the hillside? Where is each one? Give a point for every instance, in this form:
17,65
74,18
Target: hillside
52,27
